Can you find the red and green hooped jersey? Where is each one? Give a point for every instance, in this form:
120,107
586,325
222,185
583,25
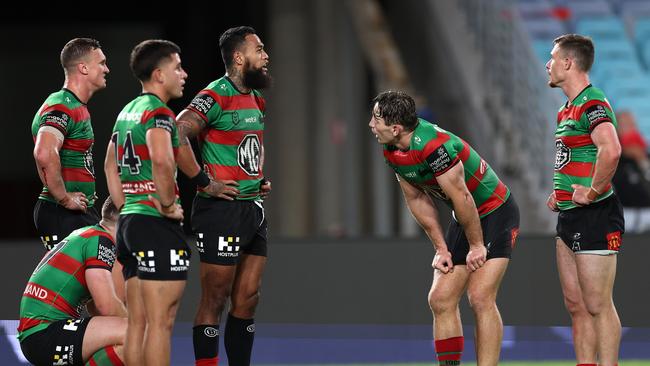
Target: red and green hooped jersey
67,114
432,152
134,164
232,143
575,155
57,288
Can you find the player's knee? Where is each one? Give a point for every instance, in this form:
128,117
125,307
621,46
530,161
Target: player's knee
244,306
596,305
440,302
574,305
480,300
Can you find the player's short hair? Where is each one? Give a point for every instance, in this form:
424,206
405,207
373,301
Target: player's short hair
397,107
231,40
578,47
147,55
76,49
109,211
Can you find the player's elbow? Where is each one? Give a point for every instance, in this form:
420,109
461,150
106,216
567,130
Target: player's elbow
42,156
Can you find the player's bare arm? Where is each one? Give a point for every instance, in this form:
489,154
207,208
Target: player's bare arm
113,176
190,124
46,154
163,167
104,298
609,151
425,213
453,184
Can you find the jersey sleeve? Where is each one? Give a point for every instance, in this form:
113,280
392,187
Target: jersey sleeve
440,157
160,118
205,104
100,253
597,112
57,117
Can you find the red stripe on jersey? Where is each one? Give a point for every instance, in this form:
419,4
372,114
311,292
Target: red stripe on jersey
578,169
146,203
77,175
224,172
49,297
161,110
69,265
230,137
142,151
79,145
26,323
562,195
475,179
464,153
92,362
496,199
236,102
93,262
113,357
577,141
401,158
432,145
77,114
94,232
574,112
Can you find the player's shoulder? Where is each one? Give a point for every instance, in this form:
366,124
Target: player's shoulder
593,93
221,86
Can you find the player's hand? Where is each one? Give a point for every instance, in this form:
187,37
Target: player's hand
442,262
580,195
476,257
551,202
75,201
174,212
222,189
265,188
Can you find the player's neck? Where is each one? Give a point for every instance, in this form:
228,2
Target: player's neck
237,78
157,90
80,89
404,141
575,86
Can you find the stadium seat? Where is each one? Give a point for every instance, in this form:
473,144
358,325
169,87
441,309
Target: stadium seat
602,28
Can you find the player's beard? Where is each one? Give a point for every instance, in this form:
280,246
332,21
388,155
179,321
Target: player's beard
256,78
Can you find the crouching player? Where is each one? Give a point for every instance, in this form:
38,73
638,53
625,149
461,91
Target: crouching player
74,274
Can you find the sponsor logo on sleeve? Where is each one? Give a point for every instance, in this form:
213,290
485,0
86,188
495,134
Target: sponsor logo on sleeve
439,160
55,119
165,122
106,252
202,103
596,114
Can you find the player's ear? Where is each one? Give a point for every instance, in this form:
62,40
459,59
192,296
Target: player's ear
82,68
238,57
157,75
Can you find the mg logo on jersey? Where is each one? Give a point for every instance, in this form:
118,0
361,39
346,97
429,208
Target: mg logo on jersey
63,355
248,154
72,325
179,260
562,154
227,246
146,262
